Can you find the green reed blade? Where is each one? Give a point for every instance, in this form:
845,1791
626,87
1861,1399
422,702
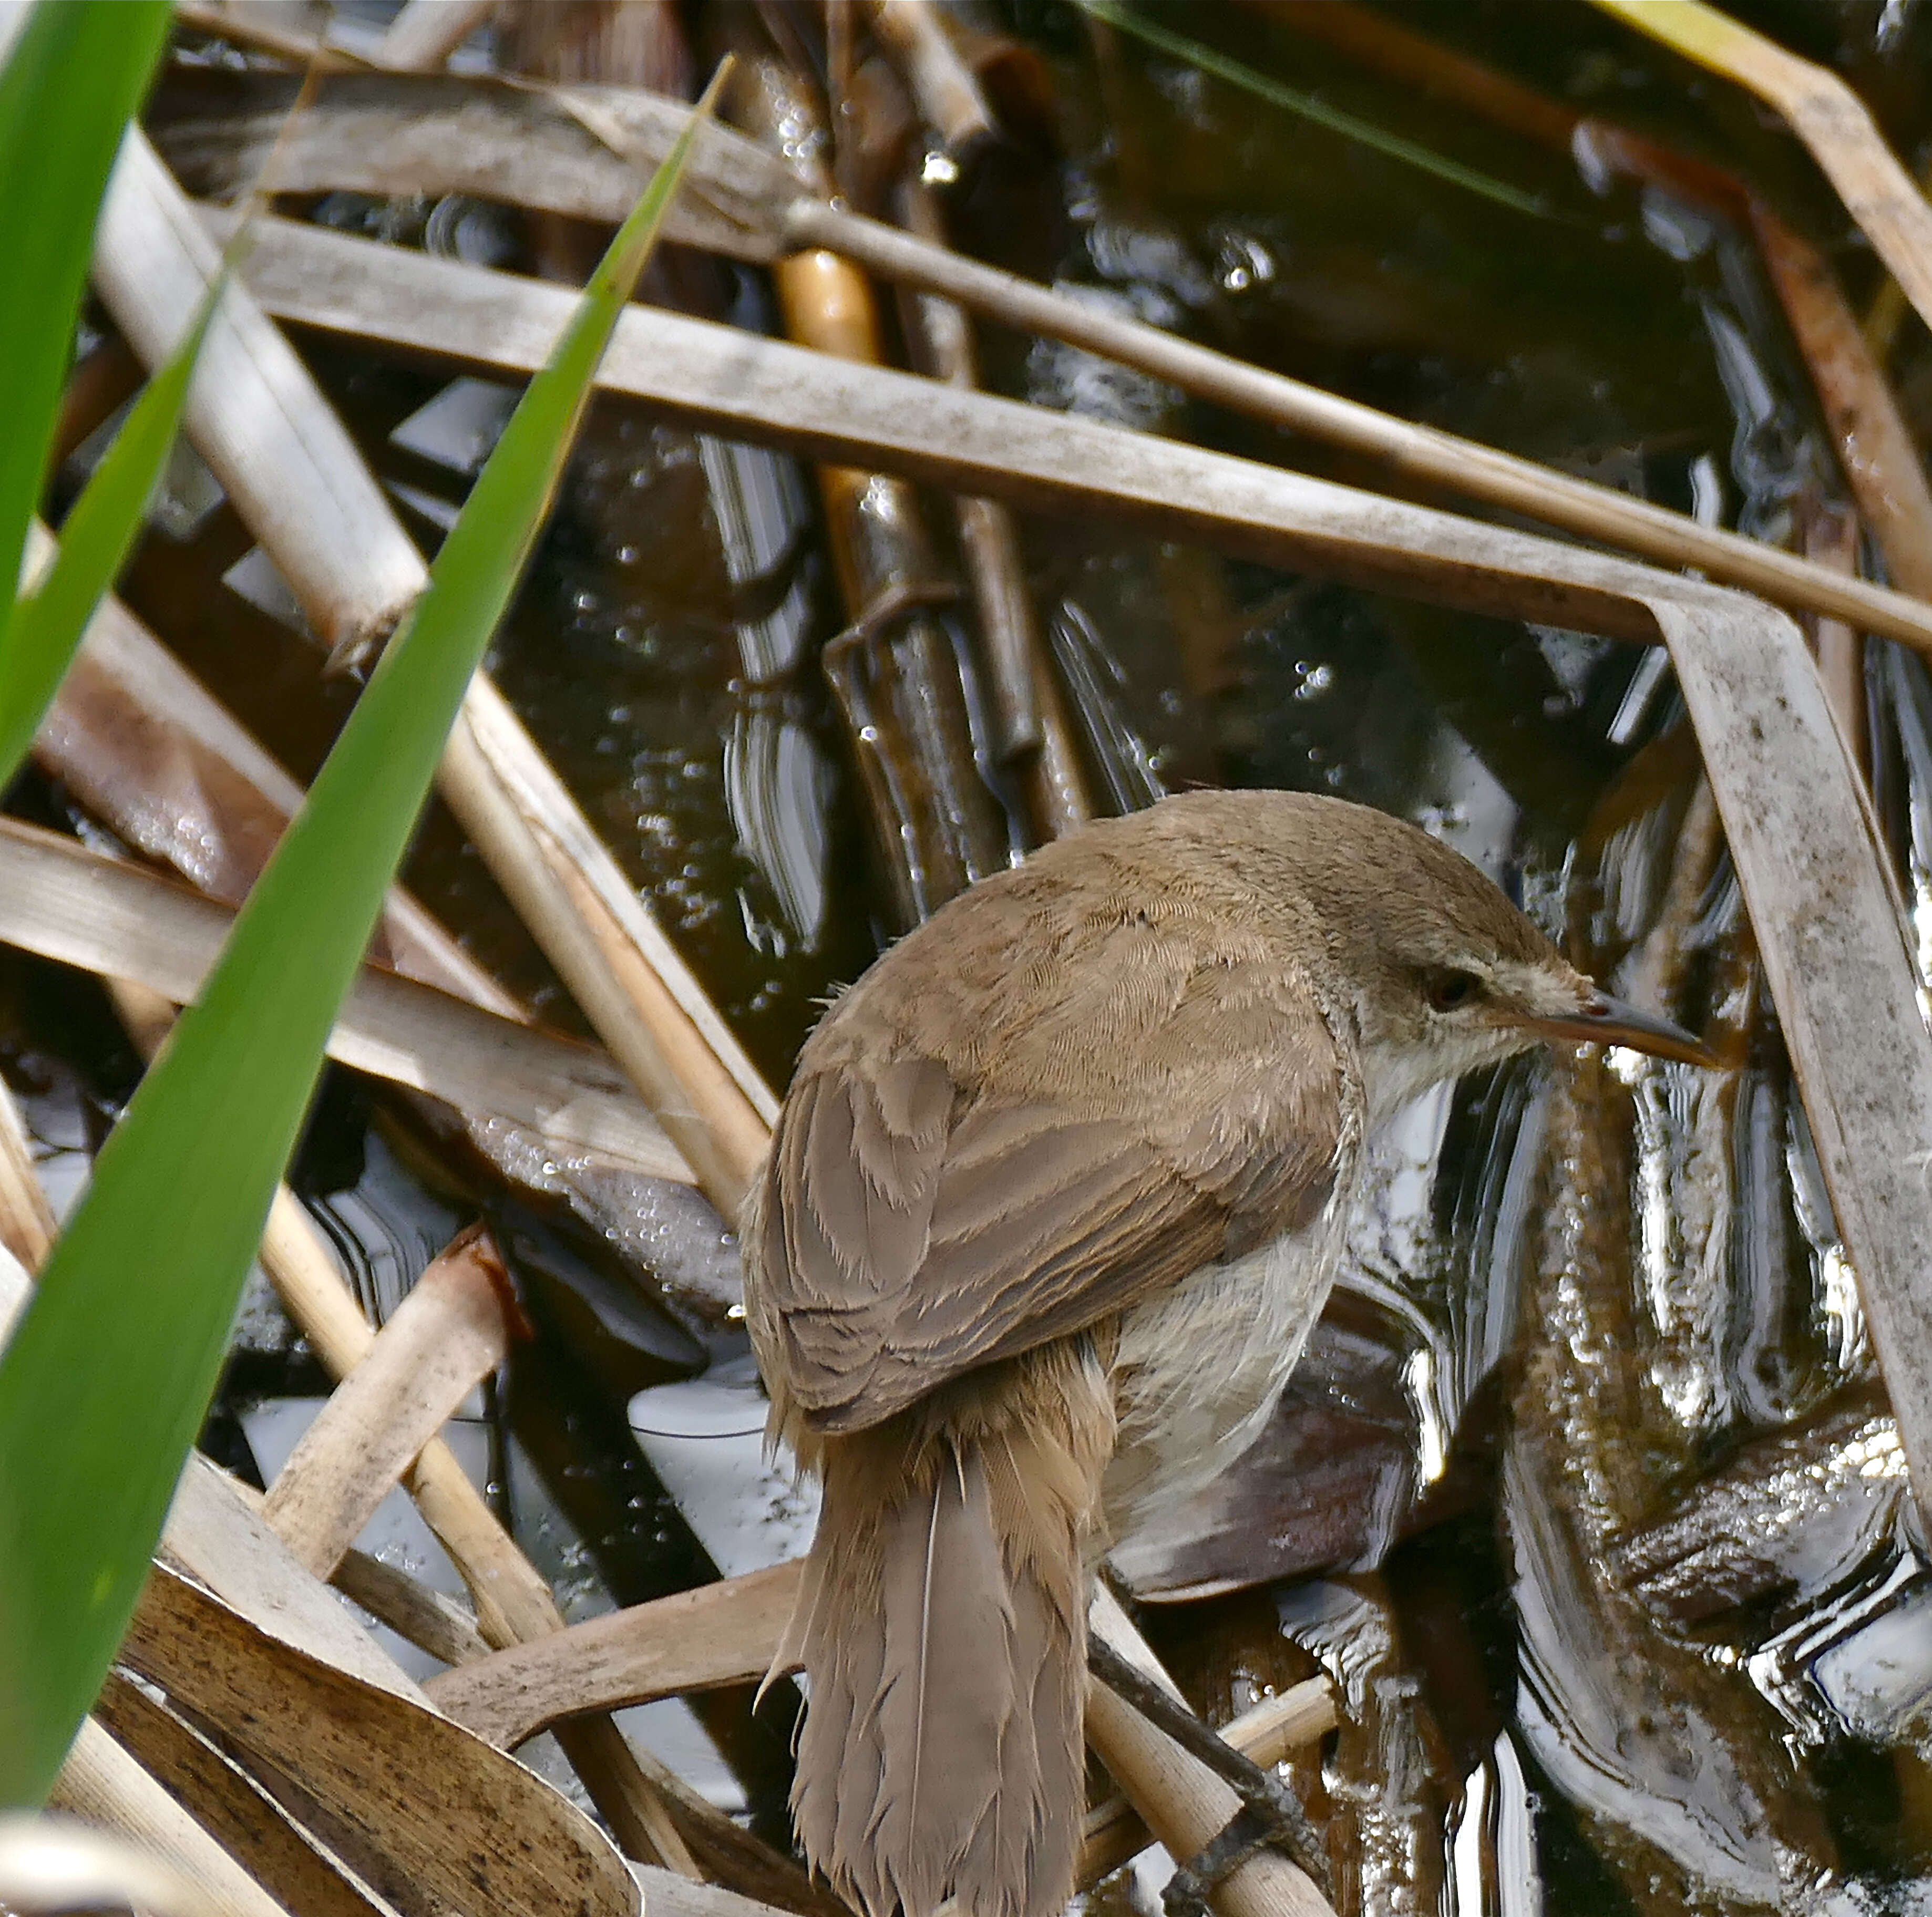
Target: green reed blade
76,71
107,1378
1278,93
99,532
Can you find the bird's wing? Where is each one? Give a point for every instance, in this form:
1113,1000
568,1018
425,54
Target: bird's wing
910,1230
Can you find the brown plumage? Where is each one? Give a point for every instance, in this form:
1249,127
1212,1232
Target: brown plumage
1055,1196
942,1744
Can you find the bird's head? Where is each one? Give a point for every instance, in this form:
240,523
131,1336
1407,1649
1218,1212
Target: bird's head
1446,974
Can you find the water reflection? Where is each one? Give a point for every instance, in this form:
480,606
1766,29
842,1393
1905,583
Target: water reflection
778,778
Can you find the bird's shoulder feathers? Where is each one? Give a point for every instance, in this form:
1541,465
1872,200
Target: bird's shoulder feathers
1008,1135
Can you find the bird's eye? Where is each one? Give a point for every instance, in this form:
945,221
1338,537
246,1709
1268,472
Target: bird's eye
1446,990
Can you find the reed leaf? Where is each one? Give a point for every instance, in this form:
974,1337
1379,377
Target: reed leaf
48,623
1307,106
107,1378
76,71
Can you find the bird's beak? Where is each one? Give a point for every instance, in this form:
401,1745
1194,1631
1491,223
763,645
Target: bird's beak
1603,1020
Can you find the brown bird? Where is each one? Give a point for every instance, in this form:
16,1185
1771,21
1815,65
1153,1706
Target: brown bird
1058,1189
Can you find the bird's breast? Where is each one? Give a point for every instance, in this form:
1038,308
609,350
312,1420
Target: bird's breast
1198,1369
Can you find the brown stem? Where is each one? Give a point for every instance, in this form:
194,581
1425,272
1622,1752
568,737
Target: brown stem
1029,711
946,88
894,670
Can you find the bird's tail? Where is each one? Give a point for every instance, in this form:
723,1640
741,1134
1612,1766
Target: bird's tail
942,1627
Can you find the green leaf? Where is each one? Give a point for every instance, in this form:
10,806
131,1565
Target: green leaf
106,1380
1278,93
77,71
100,531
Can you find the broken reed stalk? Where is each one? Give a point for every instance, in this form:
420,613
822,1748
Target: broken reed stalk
279,449
101,1781
451,1332
946,89
1035,740
514,1600
894,670
649,1807
388,1401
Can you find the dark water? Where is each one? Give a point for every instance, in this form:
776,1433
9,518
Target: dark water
1519,1730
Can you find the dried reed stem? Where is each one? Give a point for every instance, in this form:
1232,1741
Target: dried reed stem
424,34
945,87
1033,733
1184,1803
